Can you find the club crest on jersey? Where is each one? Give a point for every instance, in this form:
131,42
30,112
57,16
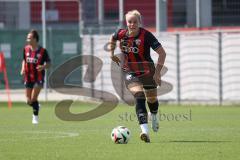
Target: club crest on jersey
38,55
138,42
28,54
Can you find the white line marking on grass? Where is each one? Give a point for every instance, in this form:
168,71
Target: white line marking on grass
36,137
58,134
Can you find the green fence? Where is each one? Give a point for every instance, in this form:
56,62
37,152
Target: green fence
61,45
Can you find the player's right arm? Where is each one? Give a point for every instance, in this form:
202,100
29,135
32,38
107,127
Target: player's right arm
22,69
112,48
22,72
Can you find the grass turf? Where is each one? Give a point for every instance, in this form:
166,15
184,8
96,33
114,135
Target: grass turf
186,132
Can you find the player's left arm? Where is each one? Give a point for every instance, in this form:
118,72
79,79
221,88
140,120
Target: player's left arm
157,47
161,59
22,72
47,63
44,66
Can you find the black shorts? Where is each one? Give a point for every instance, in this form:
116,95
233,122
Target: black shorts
34,84
146,80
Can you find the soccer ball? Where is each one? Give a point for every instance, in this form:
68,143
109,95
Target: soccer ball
120,135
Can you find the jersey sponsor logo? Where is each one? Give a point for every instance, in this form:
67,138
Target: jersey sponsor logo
130,49
31,60
138,42
38,55
127,46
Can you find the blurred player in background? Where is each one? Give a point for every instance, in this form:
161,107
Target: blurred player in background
35,61
141,75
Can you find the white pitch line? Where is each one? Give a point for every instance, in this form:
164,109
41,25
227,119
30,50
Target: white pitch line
57,135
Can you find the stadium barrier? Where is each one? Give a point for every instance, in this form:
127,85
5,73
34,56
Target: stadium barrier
202,67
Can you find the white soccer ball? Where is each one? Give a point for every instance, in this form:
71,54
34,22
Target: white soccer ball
120,135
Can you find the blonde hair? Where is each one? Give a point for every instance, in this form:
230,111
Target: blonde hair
135,13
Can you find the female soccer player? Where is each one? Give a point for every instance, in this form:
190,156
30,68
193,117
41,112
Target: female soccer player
35,61
141,75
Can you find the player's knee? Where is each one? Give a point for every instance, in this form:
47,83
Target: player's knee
139,95
152,99
34,99
29,102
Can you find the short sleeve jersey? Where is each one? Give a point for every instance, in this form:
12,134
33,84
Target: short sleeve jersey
136,50
32,60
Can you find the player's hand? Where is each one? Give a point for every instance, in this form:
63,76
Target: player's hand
157,78
22,72
40,67
116,59
112,46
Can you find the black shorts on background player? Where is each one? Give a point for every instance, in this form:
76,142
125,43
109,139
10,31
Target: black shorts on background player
34,84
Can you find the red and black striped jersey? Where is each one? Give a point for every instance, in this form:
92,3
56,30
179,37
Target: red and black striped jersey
32,60
136,50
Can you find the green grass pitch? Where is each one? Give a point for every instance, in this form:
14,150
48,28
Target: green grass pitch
186,132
